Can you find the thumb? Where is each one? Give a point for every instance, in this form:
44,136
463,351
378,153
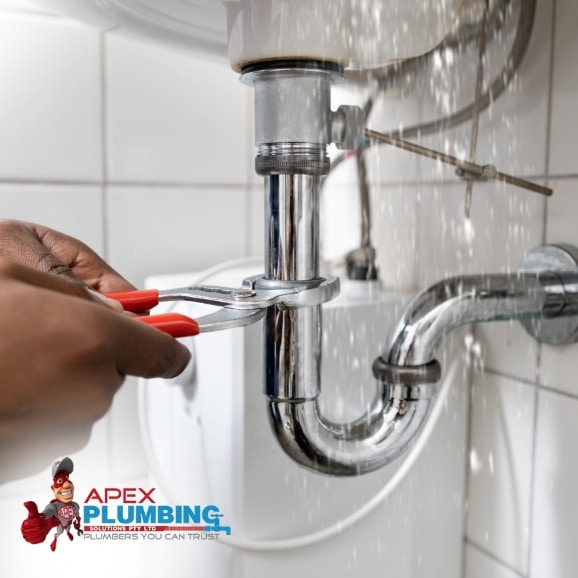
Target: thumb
32,509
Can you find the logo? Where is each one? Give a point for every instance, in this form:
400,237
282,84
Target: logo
62,514
134,514
67,512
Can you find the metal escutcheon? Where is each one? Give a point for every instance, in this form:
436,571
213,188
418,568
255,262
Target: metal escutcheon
557,259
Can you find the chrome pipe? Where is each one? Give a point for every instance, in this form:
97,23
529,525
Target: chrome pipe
462,300
542,295
292,227
407,372
293,354
364,445
294,126
292,336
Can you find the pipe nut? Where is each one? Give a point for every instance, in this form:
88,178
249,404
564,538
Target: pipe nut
408,375
347,127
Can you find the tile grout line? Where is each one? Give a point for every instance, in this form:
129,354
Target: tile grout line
127,183
493,557
537,396
529,383
103,146
104,203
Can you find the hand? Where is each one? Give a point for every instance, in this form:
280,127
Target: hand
35,527
47,250
62,358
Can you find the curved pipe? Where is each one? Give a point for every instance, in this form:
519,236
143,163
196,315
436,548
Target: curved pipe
470,299
364,445
293,356
407,371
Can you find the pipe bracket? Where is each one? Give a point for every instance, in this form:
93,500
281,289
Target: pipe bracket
407,375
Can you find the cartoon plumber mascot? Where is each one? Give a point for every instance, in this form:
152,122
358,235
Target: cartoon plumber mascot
61,513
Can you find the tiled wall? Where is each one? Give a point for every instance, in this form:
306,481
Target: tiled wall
139,150
522,514
143,152
521,511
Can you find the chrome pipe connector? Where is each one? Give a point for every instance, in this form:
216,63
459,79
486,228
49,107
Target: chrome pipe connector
294,123
293,118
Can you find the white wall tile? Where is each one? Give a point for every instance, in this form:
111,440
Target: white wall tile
394,225
50,99
561,222
256,220
393,216
559,365
553,518
479,565
501,468
512,130
508,349
394,110
388,164
339,220
154,230
564,138
393,204
554,537
173,117
72,209
23,6
505,223
446,242
559,368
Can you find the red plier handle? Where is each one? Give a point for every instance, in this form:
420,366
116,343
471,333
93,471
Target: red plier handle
174,324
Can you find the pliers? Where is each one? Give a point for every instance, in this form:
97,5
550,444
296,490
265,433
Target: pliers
238,307
177,324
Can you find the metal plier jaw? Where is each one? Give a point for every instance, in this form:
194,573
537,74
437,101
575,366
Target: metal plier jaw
238,307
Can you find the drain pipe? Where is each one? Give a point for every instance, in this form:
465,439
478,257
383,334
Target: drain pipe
294,125
542,295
